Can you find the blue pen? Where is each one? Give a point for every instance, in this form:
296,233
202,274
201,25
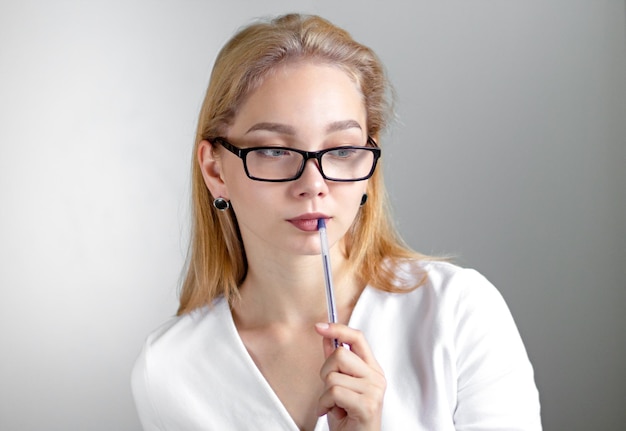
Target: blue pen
328,278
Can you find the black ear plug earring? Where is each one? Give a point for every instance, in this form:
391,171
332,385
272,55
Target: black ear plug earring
363,199
221,204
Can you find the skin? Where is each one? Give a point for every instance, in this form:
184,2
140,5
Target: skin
311,107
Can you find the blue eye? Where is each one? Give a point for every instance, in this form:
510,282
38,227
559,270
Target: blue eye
342,153
272,152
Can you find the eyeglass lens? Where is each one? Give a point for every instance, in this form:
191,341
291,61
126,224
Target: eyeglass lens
283,164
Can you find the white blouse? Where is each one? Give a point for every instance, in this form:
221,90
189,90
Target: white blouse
450,350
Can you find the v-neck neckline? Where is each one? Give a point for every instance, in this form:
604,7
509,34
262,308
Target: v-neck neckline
260,379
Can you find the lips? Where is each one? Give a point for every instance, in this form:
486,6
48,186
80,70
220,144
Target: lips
307,222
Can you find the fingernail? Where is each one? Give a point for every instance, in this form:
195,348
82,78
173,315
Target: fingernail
322,326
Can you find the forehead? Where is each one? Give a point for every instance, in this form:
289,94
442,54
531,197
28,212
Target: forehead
303,92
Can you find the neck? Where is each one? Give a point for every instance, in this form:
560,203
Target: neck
291,290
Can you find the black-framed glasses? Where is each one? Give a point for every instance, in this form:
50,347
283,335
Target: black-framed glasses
279,164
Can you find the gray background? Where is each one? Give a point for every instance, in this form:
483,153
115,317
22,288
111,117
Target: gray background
508,153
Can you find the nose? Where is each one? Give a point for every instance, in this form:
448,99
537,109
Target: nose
311,183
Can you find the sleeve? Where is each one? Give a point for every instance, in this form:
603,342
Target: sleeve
496,388
141,392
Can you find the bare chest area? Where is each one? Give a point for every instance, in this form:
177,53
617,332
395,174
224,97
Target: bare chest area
290,361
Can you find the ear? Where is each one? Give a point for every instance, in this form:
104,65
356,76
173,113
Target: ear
211,168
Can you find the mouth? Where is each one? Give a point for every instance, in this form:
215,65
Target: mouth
308,222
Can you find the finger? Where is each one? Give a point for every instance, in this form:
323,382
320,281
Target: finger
346,335
332,398
346,362
341,401
355,384
366,381
329,346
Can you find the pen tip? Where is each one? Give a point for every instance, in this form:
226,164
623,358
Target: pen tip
320,223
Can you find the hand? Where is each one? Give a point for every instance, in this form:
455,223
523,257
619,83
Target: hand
354,383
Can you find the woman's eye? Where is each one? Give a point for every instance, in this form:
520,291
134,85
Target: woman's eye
342,152
272,152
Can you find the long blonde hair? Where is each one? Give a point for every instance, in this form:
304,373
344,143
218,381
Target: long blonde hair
216,262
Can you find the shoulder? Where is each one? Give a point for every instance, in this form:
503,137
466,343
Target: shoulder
452,305
179,328
440,283
455,334
170,346
179,334
460,309
166,370
455,285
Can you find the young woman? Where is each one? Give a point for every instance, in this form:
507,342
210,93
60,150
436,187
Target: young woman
289,133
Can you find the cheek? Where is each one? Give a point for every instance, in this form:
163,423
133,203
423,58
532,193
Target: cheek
349,201
357,194
250,198
234,177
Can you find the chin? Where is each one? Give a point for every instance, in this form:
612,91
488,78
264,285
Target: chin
307,247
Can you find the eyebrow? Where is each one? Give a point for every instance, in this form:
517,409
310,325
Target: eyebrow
273,127
342,125
284,129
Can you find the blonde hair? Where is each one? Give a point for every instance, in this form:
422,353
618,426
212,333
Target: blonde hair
216,262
